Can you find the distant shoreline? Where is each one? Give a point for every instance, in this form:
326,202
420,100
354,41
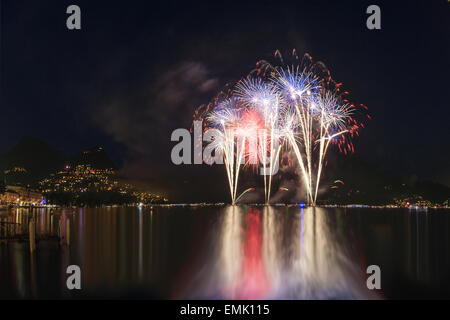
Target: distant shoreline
300,205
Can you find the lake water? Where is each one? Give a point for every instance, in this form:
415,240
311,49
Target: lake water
242,252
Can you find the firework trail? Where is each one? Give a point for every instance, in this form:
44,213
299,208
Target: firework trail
226,117
297,84
264,98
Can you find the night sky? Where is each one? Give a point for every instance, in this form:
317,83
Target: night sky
137,71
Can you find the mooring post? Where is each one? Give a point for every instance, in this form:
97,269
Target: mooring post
32,236
68,232
51,224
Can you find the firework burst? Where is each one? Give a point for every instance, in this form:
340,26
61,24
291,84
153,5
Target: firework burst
298,106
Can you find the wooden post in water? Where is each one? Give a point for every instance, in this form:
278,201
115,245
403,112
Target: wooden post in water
68,232
32,233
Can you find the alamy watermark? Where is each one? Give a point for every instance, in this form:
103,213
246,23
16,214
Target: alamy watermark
74,278
248,146
374,280
374,20
73,21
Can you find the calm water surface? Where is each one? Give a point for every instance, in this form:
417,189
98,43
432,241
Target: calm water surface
229,252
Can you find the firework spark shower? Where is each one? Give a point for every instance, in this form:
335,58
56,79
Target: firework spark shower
295,107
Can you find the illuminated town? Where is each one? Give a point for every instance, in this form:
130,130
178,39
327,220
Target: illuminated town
80,184
83,185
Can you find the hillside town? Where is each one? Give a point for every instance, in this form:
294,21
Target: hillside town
81,185
34,174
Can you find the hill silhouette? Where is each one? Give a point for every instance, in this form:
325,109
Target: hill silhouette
31,159
95,157
362,182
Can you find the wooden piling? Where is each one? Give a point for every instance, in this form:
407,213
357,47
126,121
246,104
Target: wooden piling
68,232
32,234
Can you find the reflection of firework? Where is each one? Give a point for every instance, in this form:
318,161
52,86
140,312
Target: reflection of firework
299,105
255,283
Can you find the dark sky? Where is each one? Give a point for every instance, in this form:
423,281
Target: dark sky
136,71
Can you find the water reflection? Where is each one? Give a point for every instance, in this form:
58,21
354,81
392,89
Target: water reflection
230,249
236,252
271,254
